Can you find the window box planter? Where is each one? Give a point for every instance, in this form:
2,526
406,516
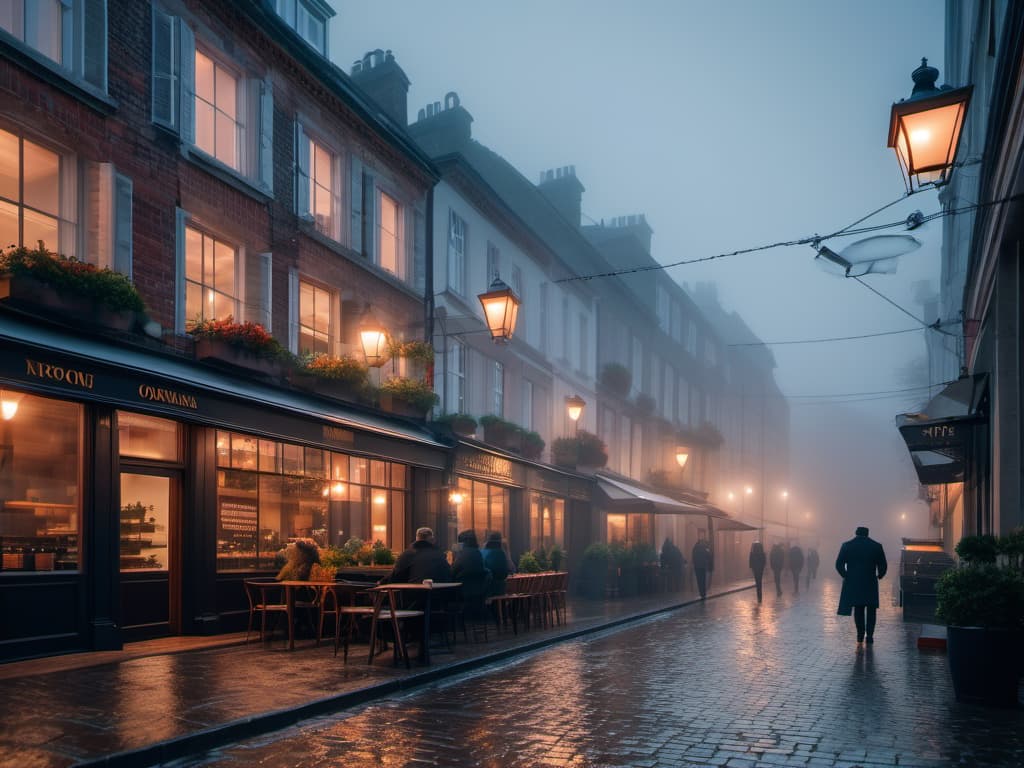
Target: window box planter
335,389
29,294
229,355
407,397
400,406
502,434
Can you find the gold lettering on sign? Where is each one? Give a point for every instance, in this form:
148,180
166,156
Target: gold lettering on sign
339,435
169,396
59,373
945,431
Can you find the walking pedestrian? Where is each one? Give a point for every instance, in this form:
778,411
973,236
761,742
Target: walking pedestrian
703,563
861,563
757,561
812,564
777,560
796,564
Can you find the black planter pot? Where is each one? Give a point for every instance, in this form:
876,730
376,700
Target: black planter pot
984,664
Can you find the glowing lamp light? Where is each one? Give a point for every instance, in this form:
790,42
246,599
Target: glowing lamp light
379,499
456,497
9,404
373,337
785,494
337,491
501,309
925,129
682,454
748,490
731,496
574,406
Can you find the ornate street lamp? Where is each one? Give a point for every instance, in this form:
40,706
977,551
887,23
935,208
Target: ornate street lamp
925,129
501,308
374,339
682,454
574,407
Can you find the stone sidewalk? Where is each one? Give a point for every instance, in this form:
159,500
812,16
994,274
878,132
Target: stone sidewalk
132,708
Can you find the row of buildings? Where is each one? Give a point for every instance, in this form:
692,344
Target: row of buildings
210,151
967,441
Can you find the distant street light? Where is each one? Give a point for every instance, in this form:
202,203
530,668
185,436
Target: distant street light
682,454
574,407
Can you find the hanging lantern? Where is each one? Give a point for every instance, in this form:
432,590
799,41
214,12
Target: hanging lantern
374,340
501,308
574,406
9,404
925,129
682,454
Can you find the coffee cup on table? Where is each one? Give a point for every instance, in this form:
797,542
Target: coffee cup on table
428,582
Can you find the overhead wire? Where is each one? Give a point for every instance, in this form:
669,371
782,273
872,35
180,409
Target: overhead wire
819,341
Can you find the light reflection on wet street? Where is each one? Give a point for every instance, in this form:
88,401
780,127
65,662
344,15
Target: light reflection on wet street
723,683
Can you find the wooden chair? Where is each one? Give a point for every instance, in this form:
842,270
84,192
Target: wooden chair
265,596
506,607
557,595
387,601
339,601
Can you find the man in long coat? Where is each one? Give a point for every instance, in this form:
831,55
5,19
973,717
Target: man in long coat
861,563
796,564
703,564
777,560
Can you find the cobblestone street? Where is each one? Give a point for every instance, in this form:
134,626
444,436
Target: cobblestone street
724,683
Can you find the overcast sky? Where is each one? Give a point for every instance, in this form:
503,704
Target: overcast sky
730,124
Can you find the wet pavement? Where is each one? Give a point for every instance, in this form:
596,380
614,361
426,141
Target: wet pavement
721,683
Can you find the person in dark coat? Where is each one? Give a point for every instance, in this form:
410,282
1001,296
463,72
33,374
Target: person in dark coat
796,564
703,564
757,561
672,565
861,563
469,568
812,565
423,560
777,560
497,562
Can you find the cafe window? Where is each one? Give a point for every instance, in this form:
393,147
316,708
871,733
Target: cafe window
271,493
547,521
481,507
630,528
147,437
40,482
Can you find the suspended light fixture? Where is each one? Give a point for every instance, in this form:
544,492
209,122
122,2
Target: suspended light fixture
574,406
682,454
925,129
373,337
9,402
501,309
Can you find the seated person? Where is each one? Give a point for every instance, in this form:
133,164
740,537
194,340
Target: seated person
497,561
470,570
300,558
423,560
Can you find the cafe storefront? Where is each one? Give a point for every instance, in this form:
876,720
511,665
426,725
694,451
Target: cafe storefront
138,489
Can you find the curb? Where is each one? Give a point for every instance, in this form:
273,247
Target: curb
210,738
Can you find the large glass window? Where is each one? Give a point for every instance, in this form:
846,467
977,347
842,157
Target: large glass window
37,23
271,493
632,528
478,506
457,254
547,521
218,124
323,190
40,482
210,278
389,241
30,194
148,437
314,319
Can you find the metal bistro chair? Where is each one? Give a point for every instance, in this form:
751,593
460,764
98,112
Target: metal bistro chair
265,596
390,596
339,601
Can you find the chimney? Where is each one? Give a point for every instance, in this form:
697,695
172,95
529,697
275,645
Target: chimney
638,226
564,191
379,75
442,128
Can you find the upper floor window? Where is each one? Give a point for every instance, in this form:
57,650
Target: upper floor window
314,319
498,389
456,253
70,33
493,264
217,115
389,240
710,353
584,344
662,307
691,338
308,18
455,387
527,404
210,278
30,194
316,184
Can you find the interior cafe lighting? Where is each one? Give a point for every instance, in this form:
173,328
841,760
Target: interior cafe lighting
682,454
9,404
574,406
373,337
501,309
925,129
455,497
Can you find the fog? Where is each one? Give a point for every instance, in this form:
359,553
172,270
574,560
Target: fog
730,125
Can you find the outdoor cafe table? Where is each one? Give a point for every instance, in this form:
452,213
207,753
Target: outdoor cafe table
428,587
290,589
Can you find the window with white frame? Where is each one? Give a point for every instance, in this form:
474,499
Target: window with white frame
317,195
527,404
315,331
456,253
498,389
662,307
389,251
36,195
517,283
455,390
584,343
72,34
308,18
211,285
691,338
493,264
211,101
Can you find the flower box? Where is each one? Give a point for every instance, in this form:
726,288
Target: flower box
224,353
28,294
399,406
324,386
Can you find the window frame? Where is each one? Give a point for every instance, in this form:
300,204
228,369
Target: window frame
219,61
401,268
331,298
457,246
238,280
67,215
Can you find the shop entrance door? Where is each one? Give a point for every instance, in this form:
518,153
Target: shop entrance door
150,572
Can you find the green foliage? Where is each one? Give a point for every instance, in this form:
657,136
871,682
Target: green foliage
412,350
597,553
644,554
528,563
541,556
419,394
112,289
616,378
346,369
645,404
556,557
382,555
459,423
977,549
583,450
981,595
533,445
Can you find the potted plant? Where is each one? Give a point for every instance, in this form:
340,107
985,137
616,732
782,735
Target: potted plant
245,345
556,556
584,451
616,379
502,433
528,563
458,423
414,358
594,564
382,554
43,282
982,603
533,445
344,377
407,397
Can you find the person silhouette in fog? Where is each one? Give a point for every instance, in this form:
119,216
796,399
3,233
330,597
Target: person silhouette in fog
796,564
777,559
703,563
861,563
757,561
812,565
